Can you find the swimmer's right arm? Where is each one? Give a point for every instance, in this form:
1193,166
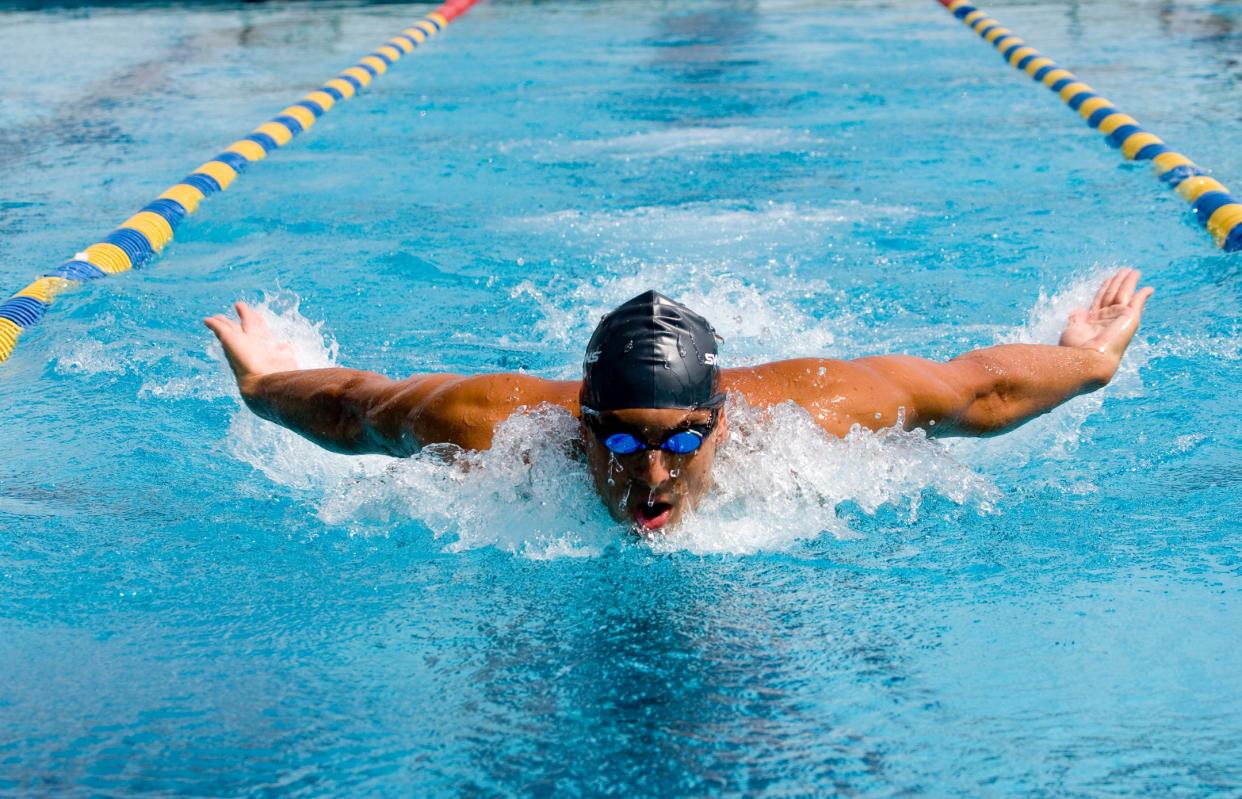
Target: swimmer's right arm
356,412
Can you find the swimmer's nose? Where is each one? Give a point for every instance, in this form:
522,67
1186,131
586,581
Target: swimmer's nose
651,468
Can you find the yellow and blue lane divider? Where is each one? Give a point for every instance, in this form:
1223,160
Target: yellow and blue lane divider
145,234
1215,208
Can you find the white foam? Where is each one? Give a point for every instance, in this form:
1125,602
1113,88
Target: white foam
780,479
1224,348
756,323
312,347
89,357
468,498
199,379
529,494
692,228
682,142
211,386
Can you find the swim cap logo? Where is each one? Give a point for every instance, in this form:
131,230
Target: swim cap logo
709,358
592,357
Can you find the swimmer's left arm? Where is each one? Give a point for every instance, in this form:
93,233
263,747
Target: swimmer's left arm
984,392
993,390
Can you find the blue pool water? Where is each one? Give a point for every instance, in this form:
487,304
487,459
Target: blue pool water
194,603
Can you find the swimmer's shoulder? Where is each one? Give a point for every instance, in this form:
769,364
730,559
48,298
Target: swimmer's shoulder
782,381
465,409
837,393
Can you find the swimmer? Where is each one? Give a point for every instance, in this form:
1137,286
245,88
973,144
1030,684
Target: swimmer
651,403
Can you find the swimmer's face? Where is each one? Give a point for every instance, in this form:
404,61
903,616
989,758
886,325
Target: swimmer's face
652,488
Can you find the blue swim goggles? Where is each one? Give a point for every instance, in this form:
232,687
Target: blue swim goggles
679,442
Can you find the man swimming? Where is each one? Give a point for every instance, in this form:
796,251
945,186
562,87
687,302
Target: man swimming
652,399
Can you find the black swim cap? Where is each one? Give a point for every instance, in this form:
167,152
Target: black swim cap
651,352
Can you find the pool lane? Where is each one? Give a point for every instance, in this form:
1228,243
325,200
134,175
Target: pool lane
144,235
1215,208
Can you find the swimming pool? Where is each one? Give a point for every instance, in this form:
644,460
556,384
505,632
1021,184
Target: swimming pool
192,603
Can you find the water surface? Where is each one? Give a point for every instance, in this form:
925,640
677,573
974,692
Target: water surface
195,603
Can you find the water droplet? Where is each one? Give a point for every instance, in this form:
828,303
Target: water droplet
629,345
878,414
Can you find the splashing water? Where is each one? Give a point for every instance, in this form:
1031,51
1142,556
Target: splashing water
779,478
683,141
757,324
283,456
312,348
529,494
721,228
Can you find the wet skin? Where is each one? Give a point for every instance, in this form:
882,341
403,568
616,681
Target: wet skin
983,392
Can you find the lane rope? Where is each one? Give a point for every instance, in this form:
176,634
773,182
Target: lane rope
145,234
1214,207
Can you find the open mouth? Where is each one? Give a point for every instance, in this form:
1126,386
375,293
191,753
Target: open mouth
652,516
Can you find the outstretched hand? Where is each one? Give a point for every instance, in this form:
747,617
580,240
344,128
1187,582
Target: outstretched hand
249,346
1111,321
